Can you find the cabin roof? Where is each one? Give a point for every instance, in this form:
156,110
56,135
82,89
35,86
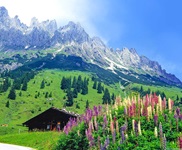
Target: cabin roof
48,114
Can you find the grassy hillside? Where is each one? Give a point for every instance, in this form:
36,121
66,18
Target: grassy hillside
37,140
170,91
27,105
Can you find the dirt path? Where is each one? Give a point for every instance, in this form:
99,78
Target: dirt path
13,147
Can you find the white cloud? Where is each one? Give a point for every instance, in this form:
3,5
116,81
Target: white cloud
82,11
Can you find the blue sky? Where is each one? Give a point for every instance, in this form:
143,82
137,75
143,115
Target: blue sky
152,27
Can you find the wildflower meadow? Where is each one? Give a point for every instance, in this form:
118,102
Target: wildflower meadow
131,123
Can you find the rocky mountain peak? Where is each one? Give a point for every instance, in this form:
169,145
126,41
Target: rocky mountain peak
74,32
3,12
34,22
74,40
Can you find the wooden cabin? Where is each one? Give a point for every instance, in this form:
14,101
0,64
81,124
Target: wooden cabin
51,119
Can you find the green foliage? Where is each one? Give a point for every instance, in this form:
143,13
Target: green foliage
75,140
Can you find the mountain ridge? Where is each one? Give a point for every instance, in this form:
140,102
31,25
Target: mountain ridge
72,39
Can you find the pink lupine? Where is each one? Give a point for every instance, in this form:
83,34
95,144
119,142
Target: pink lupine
180,142
164,103
112,126
95,123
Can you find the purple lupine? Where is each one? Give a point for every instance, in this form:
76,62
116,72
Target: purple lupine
122,137
114,136
106,144
123,128
176,116
164,143
96,113
136,127
161,134
180,116
102,147
89,136
155,119
178,111
99,109
105,122
98,142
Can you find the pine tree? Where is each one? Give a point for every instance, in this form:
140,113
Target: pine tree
50,94
99,88
113,98
24,86
79,84
74,82
46,95
7,104
106,97
20,94
95,85
87,104
85,87
69,101
17,84
6,85
12,94
42,85
63,83
75,93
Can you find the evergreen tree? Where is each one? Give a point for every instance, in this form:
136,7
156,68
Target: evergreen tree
63,83
99,88
24,86
75,93
87,104
6,84
66,83
20,94
95,85
46,95
106,97
113,98
12,94
50,94
7,104
79,84
85,87
141,89
74,82
163,95
17,84
42,85
69,101
77,106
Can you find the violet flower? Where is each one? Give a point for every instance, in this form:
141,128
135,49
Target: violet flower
155,119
